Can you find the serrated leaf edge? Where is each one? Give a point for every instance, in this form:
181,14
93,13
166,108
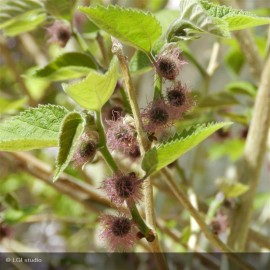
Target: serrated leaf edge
179,137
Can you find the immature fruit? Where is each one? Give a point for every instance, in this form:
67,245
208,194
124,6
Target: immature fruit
118,231
121,226
122,187
167,67
86,149
59,33
169,63
156,116
176,98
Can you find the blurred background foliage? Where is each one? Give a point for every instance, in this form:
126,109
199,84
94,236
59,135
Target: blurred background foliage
36,216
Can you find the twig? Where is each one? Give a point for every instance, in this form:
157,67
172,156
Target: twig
259,239
117,49
213,63
249,168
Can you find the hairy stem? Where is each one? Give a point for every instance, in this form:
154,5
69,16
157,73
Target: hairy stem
112,164
249,168
102,143
117,49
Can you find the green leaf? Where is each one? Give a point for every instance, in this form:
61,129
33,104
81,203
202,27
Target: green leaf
242,87
134,27
236,117
32,129
218,100
95,90
11,201
169,151
235,60
67,66
232,190
261,199
19,16
237,19
165,17
71,130
194,20
9,105
13,216
232,148
139,63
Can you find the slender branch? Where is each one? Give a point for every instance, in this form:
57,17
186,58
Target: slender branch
13,67
191,58
183,199
213,63
117,49
259,239
249,168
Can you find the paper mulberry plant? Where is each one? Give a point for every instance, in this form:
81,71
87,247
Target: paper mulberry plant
96,114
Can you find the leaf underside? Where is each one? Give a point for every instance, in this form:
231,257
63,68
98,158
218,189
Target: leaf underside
67,66
32,129
237,19
169,151
71,130
193,20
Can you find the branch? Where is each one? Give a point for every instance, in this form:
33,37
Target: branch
249,168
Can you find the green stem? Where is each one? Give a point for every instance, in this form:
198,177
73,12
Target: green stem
139,221
144,143
112,164
158,86
103,146
191,58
